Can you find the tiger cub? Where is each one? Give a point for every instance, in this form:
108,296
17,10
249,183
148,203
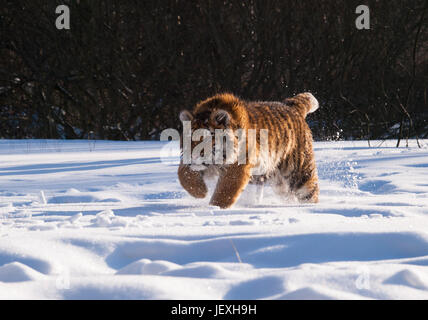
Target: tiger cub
287,163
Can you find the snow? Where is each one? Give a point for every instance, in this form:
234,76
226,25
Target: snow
109,220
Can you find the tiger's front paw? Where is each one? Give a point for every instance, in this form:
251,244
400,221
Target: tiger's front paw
199,192
223,201
192,182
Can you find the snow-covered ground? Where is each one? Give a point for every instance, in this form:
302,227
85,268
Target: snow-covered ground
96,220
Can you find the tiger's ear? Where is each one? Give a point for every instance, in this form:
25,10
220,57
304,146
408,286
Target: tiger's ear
186,116
221,117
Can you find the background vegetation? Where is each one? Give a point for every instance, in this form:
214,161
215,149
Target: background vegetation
126,68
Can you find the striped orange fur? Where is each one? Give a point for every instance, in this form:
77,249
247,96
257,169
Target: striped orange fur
288,164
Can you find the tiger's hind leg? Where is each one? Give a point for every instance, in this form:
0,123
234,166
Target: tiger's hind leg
292,185
259,193
281,186
259,181
305,187
308,193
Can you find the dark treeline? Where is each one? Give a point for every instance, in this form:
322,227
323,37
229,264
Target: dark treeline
126,68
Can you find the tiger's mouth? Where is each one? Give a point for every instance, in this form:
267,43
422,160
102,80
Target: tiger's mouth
198,167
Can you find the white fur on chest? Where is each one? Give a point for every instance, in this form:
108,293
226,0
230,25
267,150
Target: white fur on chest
265,164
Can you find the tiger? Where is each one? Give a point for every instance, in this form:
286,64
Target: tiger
288,163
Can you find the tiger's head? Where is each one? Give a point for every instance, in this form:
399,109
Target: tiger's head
213,123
